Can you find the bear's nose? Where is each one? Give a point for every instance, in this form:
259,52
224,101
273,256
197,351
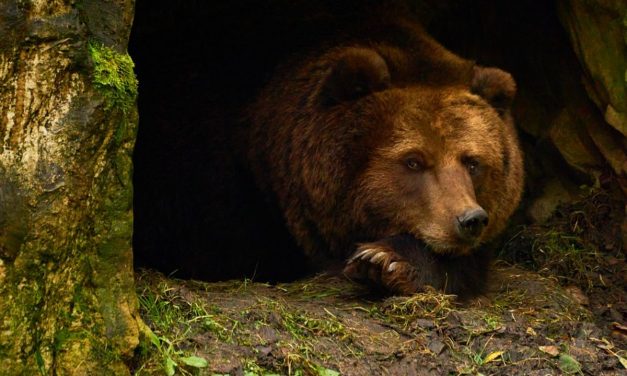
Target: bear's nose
471,223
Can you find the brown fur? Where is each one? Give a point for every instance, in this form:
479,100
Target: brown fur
332,134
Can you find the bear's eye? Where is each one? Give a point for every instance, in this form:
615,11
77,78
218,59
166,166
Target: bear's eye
414,164
472,165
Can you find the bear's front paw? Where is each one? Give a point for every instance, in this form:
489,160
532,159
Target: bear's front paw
376,264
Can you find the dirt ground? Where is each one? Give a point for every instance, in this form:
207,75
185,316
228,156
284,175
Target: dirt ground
528,325
560,310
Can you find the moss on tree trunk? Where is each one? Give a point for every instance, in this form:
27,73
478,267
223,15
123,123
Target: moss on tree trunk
67,129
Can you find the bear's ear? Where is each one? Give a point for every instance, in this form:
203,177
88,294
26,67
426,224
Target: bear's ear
356,73
495,86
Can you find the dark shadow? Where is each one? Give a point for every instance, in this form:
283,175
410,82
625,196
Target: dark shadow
197,214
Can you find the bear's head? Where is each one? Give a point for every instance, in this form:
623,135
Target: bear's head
434,158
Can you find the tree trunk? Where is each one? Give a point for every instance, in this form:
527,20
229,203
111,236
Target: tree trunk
67,129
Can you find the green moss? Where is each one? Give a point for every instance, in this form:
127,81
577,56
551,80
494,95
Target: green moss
64,337
113,77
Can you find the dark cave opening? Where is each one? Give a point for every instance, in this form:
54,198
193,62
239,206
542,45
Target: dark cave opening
197,213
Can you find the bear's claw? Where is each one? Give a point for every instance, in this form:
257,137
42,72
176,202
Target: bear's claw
365,255
381,266
392,266
379,257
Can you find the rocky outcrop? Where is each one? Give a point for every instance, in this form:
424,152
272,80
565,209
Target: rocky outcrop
598,34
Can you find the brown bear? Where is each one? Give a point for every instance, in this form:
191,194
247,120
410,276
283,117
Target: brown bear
392,153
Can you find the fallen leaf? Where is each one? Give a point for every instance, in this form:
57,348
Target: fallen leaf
569,365
551,350
195,361
322,371
619,335
154,339
492,356
613,261
619,331
436,347
618,326
169,366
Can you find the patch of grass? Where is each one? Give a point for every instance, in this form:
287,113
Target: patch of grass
235,286
481,357
298,362
301,326
405,311
319,287
172,321
492,322
173,359
539,304
566,256
300,354
572,245
221,326
504,301
251,368
472,358
166,312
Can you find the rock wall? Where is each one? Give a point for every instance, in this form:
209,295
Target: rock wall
598,34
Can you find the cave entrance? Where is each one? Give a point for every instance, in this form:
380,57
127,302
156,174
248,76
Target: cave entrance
196,211
196,214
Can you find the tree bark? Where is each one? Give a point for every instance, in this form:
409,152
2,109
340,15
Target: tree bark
67,129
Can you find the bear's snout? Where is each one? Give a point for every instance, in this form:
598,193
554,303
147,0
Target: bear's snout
471,223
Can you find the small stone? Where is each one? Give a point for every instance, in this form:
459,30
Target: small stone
616,119
436,347
264,350
570,138
554,193
424,323
519,354
615,315
577,295
269,335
